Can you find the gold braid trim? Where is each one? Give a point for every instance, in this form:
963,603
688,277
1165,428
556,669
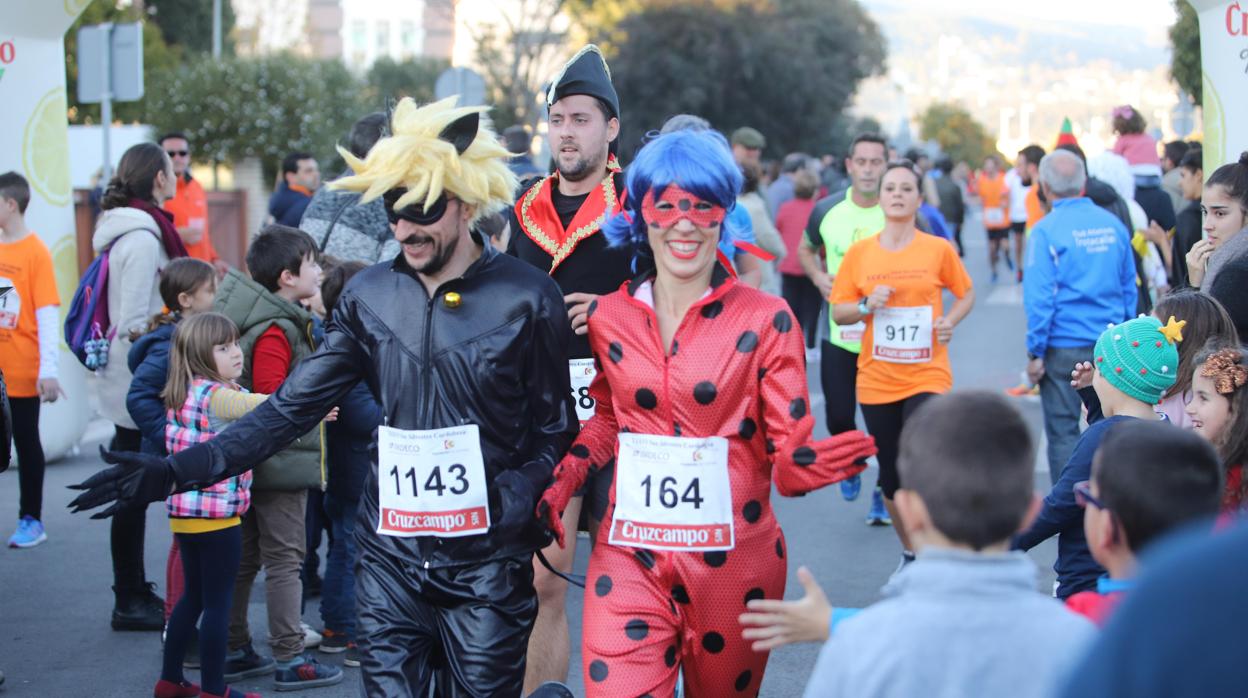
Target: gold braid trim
559,253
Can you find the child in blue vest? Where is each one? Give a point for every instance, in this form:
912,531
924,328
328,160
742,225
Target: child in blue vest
202,397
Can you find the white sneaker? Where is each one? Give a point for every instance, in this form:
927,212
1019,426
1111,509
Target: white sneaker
311,638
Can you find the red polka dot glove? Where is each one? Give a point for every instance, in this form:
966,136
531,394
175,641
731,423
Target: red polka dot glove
568,478
814,465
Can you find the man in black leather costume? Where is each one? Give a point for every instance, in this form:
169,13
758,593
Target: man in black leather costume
466,349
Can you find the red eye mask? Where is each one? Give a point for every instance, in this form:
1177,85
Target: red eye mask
675,204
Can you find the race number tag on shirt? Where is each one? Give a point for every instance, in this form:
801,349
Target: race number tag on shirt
10,306
852,333
431,483
582,372
672,493
902,335
994,215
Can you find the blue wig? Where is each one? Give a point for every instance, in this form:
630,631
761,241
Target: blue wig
700,162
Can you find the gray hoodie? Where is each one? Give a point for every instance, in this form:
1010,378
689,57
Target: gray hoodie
954,624
134,266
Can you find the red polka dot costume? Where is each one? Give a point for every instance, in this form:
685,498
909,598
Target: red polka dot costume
736,370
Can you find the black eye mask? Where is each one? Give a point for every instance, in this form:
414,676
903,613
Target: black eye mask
414,213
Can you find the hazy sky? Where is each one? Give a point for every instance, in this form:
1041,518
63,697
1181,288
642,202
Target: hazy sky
1136,13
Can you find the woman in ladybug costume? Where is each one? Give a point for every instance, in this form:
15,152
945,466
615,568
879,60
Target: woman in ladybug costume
702,405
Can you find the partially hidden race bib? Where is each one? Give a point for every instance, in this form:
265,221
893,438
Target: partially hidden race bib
994,215
582,372
902,335
852,333
10,306
672,493
431,482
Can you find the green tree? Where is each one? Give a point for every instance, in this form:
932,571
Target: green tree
1185,50
785,67
389,80
188,23
517,54
264,108
961,137
158,57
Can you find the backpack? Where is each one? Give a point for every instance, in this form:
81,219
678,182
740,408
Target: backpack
87,319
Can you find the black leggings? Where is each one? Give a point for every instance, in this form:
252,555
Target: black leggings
885,422
30,461
838,373
805,302
128,528
209,564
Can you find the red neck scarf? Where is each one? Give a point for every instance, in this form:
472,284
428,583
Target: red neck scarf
536,214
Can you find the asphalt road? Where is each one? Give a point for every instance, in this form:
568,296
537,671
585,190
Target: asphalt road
55,600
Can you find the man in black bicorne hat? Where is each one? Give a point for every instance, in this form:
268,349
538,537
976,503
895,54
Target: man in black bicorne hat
556,229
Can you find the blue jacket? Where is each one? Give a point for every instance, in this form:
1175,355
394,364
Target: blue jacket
287,205
1063,517
1080,276
149,362
936,221
349,440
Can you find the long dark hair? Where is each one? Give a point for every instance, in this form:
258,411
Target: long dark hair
1233,177
135,177
1206,319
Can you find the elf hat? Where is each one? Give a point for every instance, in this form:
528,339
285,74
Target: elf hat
1139,357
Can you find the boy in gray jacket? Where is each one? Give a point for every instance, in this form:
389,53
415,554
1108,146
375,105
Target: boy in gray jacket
965,618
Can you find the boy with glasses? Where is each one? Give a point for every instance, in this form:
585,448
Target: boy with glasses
1148,479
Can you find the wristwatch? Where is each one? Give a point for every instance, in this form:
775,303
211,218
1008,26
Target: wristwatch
863,309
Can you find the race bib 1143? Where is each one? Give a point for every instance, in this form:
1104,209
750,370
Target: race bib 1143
431,482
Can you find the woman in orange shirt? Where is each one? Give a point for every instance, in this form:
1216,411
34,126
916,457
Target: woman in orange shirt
893,281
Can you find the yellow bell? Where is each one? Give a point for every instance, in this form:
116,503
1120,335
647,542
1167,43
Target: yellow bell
451,300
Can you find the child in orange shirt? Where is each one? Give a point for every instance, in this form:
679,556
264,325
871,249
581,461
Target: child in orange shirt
29,318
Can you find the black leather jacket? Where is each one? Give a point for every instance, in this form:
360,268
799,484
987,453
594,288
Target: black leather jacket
497,361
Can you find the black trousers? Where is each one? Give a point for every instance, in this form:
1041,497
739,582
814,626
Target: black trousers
30,462
884,422
463,629
129,527
805,302
838,373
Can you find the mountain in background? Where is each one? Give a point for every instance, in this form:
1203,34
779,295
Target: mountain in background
1018,75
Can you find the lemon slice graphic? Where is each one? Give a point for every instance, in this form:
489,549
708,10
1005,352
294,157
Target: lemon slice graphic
45,148
74,7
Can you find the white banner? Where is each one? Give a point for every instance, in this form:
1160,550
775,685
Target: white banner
34,143
1224,64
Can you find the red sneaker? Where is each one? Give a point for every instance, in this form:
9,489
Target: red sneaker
169,689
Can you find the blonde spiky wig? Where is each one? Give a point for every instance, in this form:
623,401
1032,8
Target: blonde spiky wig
435,148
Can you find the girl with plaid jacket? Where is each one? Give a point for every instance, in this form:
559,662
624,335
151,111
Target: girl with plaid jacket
201,397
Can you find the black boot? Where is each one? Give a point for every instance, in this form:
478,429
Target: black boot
139,609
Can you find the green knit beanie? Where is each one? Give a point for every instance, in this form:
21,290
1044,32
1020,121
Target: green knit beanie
1139,357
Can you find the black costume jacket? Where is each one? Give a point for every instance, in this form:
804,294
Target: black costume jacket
497,361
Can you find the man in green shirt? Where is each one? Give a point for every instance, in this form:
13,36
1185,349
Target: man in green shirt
836,223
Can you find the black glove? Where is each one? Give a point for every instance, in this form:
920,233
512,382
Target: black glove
134,480
517,499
